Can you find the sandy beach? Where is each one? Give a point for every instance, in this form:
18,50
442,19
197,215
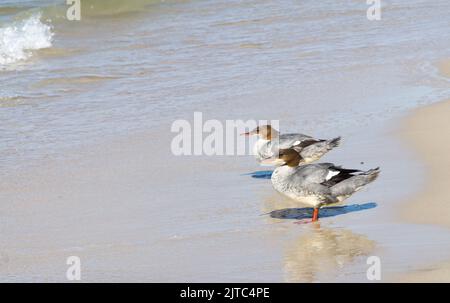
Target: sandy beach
427,130
87,169
135,212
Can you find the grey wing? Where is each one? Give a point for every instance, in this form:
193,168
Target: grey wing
313,189
312,173
289,140
316,150
318,190
309,179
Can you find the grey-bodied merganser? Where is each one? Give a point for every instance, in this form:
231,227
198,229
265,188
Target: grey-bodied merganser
317,184
270,141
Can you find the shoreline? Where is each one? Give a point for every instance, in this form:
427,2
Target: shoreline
427,131
107,205
129,204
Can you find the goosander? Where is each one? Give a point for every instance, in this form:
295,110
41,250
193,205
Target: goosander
270,141
317,184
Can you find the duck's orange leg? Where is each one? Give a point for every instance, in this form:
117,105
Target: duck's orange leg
315,218
315,215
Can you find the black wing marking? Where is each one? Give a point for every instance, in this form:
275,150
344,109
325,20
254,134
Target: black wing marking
307,142
343,174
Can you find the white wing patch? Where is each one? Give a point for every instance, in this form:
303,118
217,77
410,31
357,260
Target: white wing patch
297,142
331,174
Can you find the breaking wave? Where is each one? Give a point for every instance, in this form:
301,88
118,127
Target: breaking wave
20,39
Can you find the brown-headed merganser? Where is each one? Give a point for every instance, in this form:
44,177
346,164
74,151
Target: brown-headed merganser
270,141
317,184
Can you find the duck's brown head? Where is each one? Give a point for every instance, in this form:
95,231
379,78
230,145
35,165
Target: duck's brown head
266,132
288,157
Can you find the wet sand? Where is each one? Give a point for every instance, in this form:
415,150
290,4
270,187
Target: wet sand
132,211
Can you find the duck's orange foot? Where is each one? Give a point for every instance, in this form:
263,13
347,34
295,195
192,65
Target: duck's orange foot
315,218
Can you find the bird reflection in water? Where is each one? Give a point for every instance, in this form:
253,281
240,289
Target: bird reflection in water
321,252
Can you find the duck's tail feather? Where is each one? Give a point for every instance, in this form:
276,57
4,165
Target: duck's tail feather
349,186
333,143
372,174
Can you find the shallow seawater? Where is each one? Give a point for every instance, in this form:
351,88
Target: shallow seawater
126,69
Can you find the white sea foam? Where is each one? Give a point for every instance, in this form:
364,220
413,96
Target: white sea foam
18,40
